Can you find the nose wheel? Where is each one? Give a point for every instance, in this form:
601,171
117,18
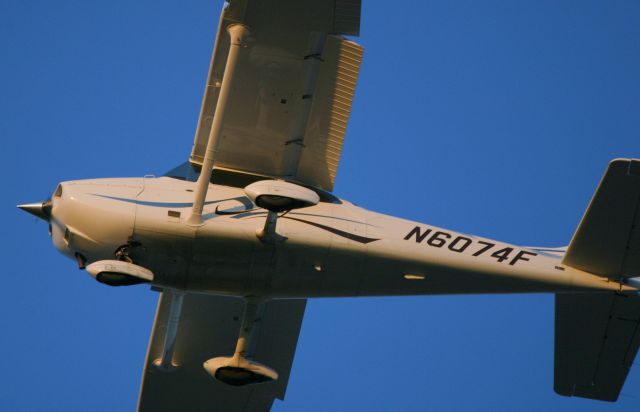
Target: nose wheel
240,369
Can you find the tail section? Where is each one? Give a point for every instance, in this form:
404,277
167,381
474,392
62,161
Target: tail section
607,242
598,334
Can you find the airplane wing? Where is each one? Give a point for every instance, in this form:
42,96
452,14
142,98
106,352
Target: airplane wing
597,338
294,84
209,327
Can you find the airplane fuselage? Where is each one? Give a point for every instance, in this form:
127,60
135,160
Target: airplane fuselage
331,249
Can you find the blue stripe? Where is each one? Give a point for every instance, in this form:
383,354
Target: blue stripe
159,204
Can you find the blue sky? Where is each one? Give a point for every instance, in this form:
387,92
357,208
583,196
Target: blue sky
495,118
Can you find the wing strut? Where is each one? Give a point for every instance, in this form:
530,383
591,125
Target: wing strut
166,362
238,33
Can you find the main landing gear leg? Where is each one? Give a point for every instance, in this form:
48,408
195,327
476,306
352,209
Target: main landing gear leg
268,232
239,370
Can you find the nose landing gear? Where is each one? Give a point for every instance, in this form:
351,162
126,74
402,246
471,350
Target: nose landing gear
122,253
122,271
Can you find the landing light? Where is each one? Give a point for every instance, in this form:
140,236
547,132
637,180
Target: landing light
413,277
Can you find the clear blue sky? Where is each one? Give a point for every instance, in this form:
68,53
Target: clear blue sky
495,118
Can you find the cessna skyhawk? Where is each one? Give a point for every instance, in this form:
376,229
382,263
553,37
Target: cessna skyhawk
238,237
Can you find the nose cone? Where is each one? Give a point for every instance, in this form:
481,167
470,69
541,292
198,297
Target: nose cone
41,210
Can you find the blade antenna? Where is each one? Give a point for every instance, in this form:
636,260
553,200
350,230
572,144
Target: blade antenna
237,33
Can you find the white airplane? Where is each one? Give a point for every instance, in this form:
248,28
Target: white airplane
237,238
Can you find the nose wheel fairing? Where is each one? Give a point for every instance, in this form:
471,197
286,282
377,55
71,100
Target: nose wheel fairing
119,273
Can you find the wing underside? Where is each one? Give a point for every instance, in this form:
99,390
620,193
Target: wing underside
292,91
209,327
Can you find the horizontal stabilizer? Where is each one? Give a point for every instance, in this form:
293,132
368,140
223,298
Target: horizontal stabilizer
597,338
607,242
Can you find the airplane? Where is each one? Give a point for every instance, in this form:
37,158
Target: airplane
315,234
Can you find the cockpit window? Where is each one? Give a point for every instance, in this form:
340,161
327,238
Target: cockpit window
189,172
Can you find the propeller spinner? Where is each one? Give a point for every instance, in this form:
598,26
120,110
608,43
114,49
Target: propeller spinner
41,210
